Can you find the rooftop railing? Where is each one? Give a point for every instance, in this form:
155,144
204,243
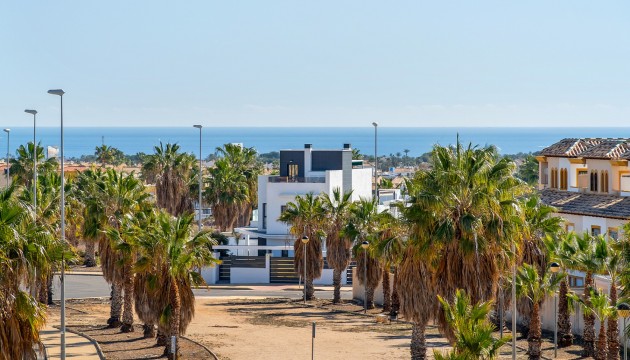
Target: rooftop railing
296,179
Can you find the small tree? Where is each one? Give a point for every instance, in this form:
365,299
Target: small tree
598,304
472,329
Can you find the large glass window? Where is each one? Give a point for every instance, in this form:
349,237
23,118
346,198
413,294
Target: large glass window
264,215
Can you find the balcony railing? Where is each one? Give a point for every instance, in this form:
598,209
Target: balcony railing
296,179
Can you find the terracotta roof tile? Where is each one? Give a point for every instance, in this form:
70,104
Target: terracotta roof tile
600,205
594,148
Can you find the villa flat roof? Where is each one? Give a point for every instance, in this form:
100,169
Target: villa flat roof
598,205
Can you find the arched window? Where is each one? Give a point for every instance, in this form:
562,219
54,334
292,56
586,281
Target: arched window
554,178
594,180
563,179
604,181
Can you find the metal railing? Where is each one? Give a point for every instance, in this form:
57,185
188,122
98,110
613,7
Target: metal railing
296,179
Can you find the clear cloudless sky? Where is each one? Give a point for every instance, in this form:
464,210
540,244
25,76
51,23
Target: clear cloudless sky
317,63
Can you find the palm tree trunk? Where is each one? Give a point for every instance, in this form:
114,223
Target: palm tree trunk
418,342
116,306
589,319
310,290
176,303
49,287
534,336
43,290
613,326
337,286
90,254
127,317
387,299
370,297
602,343
565,330
395,298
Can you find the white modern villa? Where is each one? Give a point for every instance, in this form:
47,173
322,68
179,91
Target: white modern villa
263,252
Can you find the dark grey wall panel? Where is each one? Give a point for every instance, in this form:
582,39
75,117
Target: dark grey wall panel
326,160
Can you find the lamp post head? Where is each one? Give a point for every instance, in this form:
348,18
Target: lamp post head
375,124
365,245
7,130
32,112
304,239
623,310
554,267
197,126
56,92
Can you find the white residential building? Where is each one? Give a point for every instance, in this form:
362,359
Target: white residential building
302,171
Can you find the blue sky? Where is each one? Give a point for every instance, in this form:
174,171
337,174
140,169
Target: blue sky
317,63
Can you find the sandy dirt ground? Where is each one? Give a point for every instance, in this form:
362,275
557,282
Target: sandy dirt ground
266,329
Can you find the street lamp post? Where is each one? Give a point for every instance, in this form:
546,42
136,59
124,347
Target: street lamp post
375,162
554,267
34,113
200,176
60,93
513,302
8,131
364,246
304,241
623,310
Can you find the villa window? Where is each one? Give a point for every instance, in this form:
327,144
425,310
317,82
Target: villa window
594,181
554,178
264,216
283,208
613,233
596,230
604,179
570,227
563,179
576,281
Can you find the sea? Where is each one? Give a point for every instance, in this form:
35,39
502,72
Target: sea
391,140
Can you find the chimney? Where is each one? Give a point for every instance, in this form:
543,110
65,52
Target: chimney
308,146
347,146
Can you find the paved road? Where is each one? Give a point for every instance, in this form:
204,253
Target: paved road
82,286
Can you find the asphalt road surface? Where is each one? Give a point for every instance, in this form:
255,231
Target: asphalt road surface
84,286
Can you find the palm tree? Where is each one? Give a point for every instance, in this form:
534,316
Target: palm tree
24,250
171,171
598,305
614,266
227,193
388,248
305,216
180,250
463,219
22,164
124,196
561,249
472,329
590,254
337,214
363,226
539,222
530,284
108,155
244,161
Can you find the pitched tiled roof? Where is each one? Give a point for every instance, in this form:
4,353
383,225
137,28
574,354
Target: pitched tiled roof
600,205
592,148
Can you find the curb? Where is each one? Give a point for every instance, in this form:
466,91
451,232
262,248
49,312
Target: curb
202,345
99,351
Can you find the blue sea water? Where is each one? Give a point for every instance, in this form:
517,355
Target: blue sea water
83,140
